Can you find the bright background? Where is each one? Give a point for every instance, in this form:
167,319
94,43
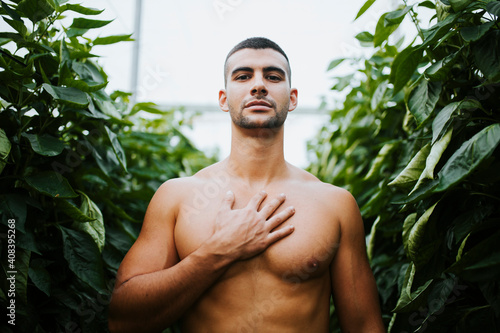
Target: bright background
183,44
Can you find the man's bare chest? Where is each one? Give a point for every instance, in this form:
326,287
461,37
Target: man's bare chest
303,255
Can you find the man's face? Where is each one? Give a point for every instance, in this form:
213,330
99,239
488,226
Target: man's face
258,93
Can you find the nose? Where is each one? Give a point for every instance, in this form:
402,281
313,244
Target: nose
258,88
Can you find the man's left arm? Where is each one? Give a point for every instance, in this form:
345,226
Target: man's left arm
353,286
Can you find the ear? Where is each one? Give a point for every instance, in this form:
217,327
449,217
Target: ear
293,99
223,100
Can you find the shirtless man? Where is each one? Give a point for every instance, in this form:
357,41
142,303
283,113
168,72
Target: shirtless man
252,243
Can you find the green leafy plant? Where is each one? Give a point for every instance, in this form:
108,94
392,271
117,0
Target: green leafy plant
416,142
78,167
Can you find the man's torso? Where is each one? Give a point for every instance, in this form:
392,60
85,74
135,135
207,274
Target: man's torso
286,288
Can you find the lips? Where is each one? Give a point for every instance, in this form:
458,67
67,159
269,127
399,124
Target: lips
258,104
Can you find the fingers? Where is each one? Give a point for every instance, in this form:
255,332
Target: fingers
280,233
278,219
256,200
228,201
271,207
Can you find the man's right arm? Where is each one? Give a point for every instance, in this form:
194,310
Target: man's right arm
153,288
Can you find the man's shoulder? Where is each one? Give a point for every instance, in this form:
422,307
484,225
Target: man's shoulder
208,175
325,189
334,201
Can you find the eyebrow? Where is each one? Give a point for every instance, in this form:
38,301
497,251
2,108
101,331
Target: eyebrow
266,70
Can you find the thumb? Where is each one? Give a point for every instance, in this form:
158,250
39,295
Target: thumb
227,203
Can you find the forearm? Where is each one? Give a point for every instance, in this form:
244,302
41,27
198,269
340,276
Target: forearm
151,302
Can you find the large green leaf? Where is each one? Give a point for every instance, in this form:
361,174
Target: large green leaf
88,71
404,67
52,184
81,54
424,190
458,5
397,16
35,10
67,95
423,100
149,107
95,226
112,39
118,211
5,147
462,247
364,38
11,12
79,9
74,32
437,31
487,55
468,157
105,158
83,257
64,53
364,8
475,32
383,30
45,144
86,86
413,233
379,95
408,224
335,63
438,296
493,7
17,25
439,70
72,211
410,300
371,244
117,147
105,105
437,151
413,170
442,120
84,23
382,156
427,4
432,160
93,112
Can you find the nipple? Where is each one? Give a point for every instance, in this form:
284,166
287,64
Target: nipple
312,265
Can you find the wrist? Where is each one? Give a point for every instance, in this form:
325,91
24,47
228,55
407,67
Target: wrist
213,252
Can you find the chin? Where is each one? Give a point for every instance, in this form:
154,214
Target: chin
259,121
261,125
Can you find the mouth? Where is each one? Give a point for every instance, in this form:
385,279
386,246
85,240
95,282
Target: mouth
258,105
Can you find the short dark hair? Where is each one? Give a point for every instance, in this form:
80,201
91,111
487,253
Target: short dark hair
257,43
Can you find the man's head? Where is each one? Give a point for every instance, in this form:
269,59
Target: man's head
256,43
257,90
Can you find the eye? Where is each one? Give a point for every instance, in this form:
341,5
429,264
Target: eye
274,78
242,77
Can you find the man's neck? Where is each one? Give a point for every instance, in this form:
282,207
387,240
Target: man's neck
257,155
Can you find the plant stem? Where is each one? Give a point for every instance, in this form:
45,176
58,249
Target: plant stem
51,21
486,195
413,16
